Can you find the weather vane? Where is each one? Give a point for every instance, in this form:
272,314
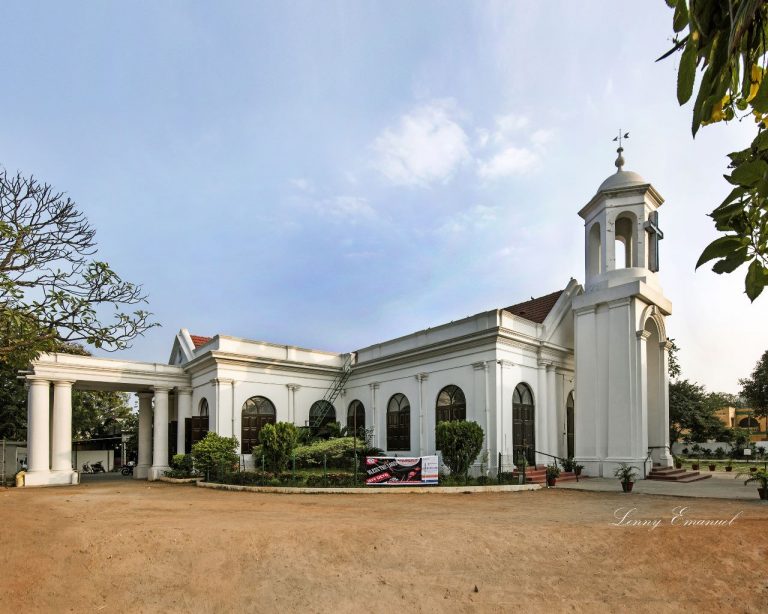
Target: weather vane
620,160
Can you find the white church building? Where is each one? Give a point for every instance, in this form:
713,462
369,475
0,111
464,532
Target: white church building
580,372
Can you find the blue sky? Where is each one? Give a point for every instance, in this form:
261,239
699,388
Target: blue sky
333,174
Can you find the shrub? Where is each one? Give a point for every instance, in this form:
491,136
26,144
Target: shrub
306,436
337,452
483,480
331,480
277,442
182,463
506,477
215,454
568,464
248,478
460,442
719,452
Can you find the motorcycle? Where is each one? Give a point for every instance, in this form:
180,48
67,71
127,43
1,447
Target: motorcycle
127,469
95,468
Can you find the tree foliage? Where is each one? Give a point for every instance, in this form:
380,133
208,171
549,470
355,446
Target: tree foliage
755,388
277,443
460,443
726,40
51,290
691,411
215,454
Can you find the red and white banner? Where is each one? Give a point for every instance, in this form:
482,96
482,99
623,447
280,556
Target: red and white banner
394,471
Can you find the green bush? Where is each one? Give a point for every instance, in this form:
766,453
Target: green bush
338,453
277,443
215,455
247,478
506,477
330,480
182,463
460,442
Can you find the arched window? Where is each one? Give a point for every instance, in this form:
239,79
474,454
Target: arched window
523,425
594,251
749,423
624,231
203,407
398,423
569,424
355,417
321,413
257,411
451,405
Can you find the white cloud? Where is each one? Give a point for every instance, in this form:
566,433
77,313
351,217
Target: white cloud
475,218
427,146
542,137
303,185
510,161
507,124
348,208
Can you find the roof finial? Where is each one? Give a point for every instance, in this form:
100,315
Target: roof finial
620,159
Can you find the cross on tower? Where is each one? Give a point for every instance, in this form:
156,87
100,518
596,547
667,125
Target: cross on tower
654,235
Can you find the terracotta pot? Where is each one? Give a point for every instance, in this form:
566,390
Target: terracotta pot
712,467
728,468
678,465
627,486
753,469
577,471
763,493
695,466
551,481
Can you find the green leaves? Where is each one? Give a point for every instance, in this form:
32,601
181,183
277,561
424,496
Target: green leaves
748,174
756,279
720,248
680,20
686,74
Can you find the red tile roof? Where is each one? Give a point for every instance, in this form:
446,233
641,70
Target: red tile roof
198,340
537,309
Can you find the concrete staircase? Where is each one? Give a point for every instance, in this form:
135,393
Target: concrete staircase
538,475
670,474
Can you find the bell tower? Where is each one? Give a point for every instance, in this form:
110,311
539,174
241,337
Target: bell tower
621,345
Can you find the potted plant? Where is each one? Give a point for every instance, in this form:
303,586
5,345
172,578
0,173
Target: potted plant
577,469
753,469
712,466
553,472
695,464
759,476
568,464
729,465
678,462
626,473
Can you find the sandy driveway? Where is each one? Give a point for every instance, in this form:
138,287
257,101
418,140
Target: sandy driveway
139,547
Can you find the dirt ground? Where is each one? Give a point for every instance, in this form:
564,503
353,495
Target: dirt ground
139,547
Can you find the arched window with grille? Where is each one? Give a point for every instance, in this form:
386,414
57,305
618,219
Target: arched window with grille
451,405
398,423
749,423
355,417
257,411
523,423
321,413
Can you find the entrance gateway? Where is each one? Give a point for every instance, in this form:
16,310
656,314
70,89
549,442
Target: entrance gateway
580,372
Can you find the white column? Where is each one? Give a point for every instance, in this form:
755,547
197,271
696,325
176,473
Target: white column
183,411
160,434
292,388
141,472
664,457
541,413
553,412
422,426
38,434
481,403
61,438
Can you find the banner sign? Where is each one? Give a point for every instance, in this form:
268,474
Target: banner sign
392,471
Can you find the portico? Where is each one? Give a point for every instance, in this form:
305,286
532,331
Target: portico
50,385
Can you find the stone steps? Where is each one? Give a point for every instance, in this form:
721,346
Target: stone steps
670,474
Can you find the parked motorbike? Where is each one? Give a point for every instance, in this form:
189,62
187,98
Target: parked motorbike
95,468
127,469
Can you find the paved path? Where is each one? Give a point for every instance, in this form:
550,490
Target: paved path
720,486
